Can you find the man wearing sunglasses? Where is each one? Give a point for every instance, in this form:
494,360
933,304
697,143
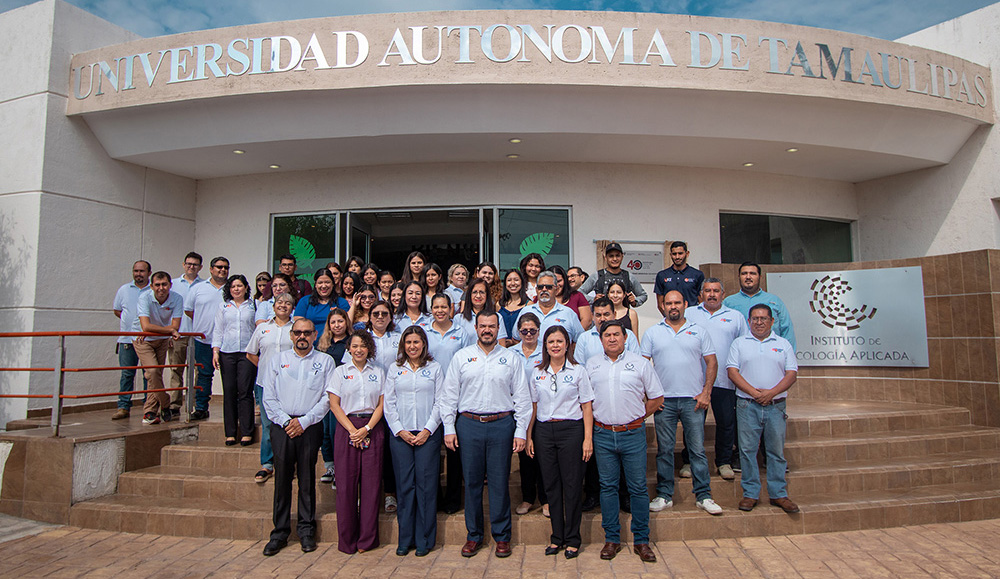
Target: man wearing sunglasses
550,311
202,302
295,383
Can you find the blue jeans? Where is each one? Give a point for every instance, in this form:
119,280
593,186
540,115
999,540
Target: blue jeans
128,357
693,421
613,451
203,390
326,449
486,450
754,420
266,452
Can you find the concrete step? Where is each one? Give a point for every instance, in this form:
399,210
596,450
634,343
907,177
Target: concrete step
208,517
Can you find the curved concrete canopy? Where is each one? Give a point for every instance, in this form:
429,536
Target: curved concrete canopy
850,126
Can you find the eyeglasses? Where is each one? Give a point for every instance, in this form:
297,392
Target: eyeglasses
366,297
302,332
528,331
380,314
555,384
225,267
189,264
544,286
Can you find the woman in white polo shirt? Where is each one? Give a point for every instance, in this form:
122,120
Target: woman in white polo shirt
356,402
268,339
234,324
560,436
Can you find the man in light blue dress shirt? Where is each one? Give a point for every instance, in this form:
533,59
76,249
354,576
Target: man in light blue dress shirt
126,307
750,295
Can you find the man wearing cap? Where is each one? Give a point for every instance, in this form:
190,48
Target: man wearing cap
598,283
626,392
679,276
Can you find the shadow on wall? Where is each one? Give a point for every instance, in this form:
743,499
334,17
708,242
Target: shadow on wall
903,215
14,258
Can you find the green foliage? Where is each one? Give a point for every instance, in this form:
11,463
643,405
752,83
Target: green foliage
540,243
303,251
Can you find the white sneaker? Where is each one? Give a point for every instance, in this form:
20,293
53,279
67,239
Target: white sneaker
390,504
709,506
659,503
685,471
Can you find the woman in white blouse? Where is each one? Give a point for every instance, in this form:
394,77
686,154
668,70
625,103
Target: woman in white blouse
234,324
267,341
412,391
561,436
356,402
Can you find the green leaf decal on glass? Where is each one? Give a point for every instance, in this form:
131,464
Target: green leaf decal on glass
540,243
303,251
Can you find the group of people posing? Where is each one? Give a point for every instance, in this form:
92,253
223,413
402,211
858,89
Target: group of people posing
378,373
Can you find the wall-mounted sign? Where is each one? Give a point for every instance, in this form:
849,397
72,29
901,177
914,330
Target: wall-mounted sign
867,317
644,264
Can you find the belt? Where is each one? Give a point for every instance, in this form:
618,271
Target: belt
486,417
358,415
637,423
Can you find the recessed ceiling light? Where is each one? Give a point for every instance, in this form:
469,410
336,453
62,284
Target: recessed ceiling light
274,166
238,151
791,150
513,156
748,164
515,140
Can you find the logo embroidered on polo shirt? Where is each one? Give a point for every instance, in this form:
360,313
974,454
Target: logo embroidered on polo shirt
425,373
503,361
630,367
373,377
779,350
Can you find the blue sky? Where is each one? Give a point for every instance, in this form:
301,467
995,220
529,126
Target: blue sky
888,19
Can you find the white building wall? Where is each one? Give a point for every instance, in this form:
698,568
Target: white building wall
633,202
72,220
950,208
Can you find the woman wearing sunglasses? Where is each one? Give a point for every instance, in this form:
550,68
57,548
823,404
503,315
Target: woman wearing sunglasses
560,434
528,350
361,306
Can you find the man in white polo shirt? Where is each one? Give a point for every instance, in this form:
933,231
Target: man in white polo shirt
178,352
724,325
160,311
678,349
126,307
201,304
549,310
762,365
626,392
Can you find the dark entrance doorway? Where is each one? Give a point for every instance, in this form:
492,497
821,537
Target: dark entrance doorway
445,236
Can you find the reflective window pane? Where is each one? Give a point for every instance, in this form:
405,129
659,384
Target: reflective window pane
775,239
312,239
542,231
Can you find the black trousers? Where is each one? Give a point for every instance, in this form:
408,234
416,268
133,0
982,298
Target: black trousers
451,497
559,449
388,470
531,479
238,377
724,411
295,456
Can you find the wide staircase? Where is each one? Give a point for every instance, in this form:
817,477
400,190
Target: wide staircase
852,465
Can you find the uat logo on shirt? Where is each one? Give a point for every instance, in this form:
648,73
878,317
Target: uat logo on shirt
473,359
286,366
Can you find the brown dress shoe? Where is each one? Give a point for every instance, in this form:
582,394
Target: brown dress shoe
644,552
747,504
785,504
503,549
470,548
120,414
610,550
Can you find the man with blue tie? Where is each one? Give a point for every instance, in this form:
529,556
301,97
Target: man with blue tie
485,409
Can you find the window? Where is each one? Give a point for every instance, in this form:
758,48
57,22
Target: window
542,231
775,239
312,239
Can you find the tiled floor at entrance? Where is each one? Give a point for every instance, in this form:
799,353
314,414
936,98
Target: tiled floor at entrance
957,549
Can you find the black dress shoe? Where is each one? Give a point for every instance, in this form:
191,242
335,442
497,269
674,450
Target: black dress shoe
273,546
452,509
571,553
402,551
422,552
199,415
308,544
550,550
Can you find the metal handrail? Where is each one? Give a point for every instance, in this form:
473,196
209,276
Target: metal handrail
59,370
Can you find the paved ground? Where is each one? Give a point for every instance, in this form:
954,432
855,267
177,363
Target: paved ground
944,550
